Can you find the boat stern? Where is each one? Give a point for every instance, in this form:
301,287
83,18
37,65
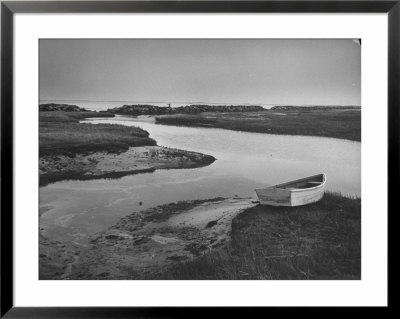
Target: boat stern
273,196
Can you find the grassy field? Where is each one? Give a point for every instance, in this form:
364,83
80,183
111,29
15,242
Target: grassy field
318,241
70,117
61,133
345,124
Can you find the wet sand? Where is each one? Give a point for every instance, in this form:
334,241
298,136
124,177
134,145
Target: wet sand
145,242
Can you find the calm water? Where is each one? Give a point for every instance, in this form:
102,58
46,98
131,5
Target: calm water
244,161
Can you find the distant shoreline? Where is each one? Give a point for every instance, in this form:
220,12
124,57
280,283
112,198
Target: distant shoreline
103,105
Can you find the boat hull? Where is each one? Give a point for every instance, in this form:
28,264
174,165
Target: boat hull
276,196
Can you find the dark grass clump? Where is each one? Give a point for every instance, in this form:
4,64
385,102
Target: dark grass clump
326,123
318,241
187,120
60,133
61,116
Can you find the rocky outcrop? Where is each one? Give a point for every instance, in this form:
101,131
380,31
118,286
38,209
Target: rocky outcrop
60,107
146,109
200,108
141,109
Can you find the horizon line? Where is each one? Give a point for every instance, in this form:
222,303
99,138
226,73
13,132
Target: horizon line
199,102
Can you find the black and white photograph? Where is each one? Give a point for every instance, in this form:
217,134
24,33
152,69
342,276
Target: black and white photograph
199,159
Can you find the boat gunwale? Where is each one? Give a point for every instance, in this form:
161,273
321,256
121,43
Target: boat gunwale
298,180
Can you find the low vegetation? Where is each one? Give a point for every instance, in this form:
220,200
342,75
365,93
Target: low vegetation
70,117
146,109
314,107
342,123
318,241
60,133
51,107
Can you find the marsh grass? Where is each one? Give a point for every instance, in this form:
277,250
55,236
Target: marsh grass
318,241
71,117
61,133
327,123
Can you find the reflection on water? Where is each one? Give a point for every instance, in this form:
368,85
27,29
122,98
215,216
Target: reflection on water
244,161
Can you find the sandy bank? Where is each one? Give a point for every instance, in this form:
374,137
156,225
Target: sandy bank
320,241
145,241
219,239
135,160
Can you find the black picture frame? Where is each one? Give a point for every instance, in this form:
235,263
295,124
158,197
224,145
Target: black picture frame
9,8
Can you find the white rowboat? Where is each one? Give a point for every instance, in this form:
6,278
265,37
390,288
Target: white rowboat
295,193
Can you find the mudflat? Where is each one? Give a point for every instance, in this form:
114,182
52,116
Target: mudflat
144,242
219,238
135,160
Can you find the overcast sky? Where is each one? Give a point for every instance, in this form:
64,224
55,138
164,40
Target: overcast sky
219,71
